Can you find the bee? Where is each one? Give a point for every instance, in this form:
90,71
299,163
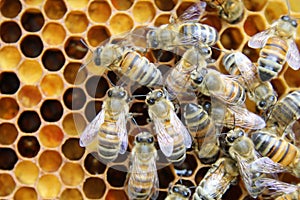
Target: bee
173,137
217,180
143,179
178,192
231,11
107,133
262,93
278,46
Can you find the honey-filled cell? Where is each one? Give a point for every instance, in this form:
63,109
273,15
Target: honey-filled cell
73,124
231,38
10,57
33,2
53,59
28,146
7,184
8,159
27,172
78,19
32,20
77,4
116,195
73,75
93,166
31,46
25,193
10,32
74,98
10,8
55,9
95,15
122,4
94,188
272,12
8,133
74,48
9,108
29,121
51,135
53,33
9,83
73,194
49,186
52,85
30,71
71,174
121,23
254,24
292,77
72,150
50,161
51,110
143,12
29,96
161,20
98,34
165,5
255,5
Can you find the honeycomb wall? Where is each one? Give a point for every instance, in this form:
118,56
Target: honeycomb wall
45,102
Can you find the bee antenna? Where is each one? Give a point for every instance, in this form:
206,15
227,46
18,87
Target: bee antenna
289,7
112,83
222,50
135,123
86,45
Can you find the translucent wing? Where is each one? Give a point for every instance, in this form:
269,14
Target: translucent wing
259,39
192,13
246,67
278,187
155,188
90,132
266,165
122,131
293,56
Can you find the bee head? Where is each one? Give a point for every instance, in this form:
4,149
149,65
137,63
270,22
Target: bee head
182,190
144,137
266,103
154,96
117,92
198,76
233,135
286,26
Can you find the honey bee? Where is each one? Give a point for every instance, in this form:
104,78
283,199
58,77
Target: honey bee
142,178
217,180
278,46
178,192
231,11
262,93
107,134
173,137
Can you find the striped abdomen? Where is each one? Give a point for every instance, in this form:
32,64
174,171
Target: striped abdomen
230,65
233,92
272,58
139,69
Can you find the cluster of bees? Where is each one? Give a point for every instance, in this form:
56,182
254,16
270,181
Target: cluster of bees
257,147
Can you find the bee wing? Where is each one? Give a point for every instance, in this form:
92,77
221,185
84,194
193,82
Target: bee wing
155,181
245,67
192,13
266,165
122,132
259,39
91,130
276,187
293,56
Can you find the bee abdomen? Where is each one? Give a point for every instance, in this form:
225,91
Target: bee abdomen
140,187
235,93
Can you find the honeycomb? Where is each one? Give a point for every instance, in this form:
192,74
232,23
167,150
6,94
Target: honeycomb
45,102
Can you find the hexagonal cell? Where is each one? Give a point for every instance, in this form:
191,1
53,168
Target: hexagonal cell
200,174
121,23
254,24
32,20
94,188
10,8
8,133
74,48
231,38
165,5
72,74
95,15
53,33
9,108
29,121
74,98
139,93
162,56
50,161
272,12
29,96
77,4
76,22
9,83
30,71
53,59
9,57
116,195
96,86
165,176
52,85
212,20
255,5
51,136
51,110
122,4
73,124
55,9
143,12
92,109
279,86
24,193
73,194
291,77
97,34
116,175
26,172
28,146
188,167
10,32
252,54
71,174
33,2
139,111
8,158
72,150
31,46
93,166
7,184
162,19
49,186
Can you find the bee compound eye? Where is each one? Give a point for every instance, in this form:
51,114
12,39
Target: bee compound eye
294,23
150,101
138,139
159,94
262,104
150,140
175,189
122,94
109,93
198,80
285,18
186,193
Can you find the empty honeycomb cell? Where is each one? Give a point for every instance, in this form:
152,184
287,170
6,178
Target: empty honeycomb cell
49,186
188,167
92,109
94,188
9,57
143,12
51,135
254,24
272,12
31,46
231,38
53,33
71,174
121,23
8,133
72,74
25,193
55,9
279,86
116,195
292,77
9,108
139,111
73,194
28,146
162,19
52,85
96,86
27,172
74,48
74,98
9,83
33,2
10,32
116,175
8,159
10,8
93,166
76,22
113,78
165,176
200,174
97,34
77,4
233,192
53,59
73,124
30,71
255,5
140,92
29,96
165,5
32,20
95,15
7,184
51,110
29,121
72,150
163,56
122,4
50,160
252,54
